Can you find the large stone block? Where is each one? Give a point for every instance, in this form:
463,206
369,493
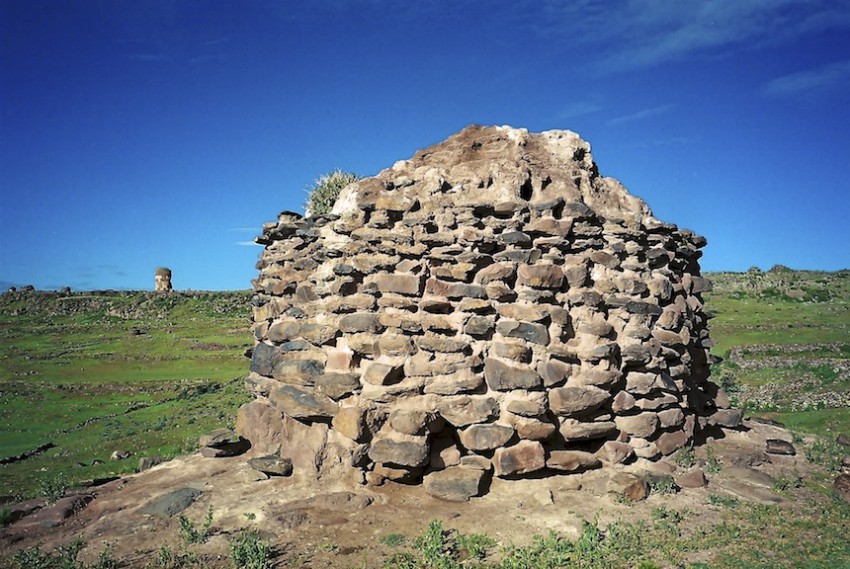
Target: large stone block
401,452
502,376
521,458
540,276
571,400
485,437
455,484
302,403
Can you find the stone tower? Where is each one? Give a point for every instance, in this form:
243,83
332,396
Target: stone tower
490,307
162,279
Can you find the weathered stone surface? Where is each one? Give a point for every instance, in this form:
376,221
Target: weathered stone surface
630,486
171,503
572,460
468,409
570,400
350,422
540,276
337,385
530,332
574,430
730,418
521,458
383,374
496,271
776,446
401,284
642,425
615,452
485,437
692,479
411,421
455,484
670,442
400,452
360,322
502,376
271,465
302,403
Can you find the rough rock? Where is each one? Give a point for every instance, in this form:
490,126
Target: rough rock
456,484
271,465
494,290
171,503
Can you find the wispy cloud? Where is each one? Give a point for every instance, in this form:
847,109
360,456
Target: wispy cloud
811,80
644,33
578,109
642,114
248,244
149,57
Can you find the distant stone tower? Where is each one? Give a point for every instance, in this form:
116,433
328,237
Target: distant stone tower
162,279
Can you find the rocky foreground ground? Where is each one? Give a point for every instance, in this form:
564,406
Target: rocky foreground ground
341,524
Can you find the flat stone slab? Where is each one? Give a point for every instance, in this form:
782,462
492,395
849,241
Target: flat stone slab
170,504
456,484
750,492
750,476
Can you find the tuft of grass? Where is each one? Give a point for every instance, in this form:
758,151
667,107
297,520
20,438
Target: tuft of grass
322,196
723,501
393,539
248,551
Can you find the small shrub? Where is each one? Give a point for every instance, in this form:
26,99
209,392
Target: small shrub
663,485
190,533
712,463
53,488
475,545
63,557
248,551
322,196
685,457
5,517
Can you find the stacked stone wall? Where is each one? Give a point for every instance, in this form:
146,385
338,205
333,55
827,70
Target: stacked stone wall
416,336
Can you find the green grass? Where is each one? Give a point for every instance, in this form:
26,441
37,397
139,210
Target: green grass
74,373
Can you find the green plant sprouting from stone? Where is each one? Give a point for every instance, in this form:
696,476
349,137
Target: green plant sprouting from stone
325,190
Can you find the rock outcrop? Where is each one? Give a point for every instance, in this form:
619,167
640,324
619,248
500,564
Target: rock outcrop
491,304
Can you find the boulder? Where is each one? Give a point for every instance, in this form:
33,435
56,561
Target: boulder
455,484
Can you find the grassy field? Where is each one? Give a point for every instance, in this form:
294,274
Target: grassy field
101,372
785,340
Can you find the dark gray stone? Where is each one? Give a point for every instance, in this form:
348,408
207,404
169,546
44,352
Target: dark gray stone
535,333
170,504
501,376
272,465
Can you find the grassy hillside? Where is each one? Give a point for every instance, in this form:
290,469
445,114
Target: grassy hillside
785,339
98,372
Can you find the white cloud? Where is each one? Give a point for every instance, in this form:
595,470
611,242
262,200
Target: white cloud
810,80
643,33
642,114
578,109
248,244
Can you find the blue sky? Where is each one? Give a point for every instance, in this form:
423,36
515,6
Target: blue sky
147,133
